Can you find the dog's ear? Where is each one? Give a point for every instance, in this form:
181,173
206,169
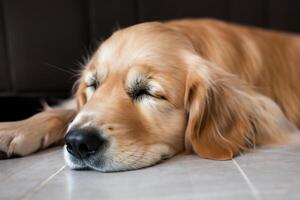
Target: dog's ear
225,116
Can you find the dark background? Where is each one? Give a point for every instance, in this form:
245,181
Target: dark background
37,34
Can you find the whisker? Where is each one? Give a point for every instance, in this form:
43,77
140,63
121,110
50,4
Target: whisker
60,68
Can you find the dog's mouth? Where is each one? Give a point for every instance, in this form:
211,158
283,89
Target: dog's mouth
101,162
111,161
96,161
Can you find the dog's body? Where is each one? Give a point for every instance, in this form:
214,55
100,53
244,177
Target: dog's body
156,89
269,61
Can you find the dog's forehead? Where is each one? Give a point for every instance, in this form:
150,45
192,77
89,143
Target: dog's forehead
148,44
121,54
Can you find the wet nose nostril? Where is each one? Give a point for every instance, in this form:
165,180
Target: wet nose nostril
85,151
83,148
69,146
82,143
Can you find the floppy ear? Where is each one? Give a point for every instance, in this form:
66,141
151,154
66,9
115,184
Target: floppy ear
225,116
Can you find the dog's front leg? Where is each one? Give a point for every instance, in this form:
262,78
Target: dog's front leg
38,132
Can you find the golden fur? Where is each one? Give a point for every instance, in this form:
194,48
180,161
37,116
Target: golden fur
216,89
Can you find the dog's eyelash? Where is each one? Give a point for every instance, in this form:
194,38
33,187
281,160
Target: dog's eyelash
140,89
138,93
94,84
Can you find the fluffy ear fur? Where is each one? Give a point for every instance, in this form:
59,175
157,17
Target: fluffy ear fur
225,116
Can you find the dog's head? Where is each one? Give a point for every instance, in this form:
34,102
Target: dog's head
146,95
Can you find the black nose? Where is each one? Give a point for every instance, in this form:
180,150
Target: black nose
82,143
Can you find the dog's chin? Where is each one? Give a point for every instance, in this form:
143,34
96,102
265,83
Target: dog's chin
72,162
103,163
97,162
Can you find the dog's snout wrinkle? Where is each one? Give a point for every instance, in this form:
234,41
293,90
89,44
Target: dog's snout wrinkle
85,142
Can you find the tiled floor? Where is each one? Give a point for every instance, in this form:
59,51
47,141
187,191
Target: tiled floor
265,174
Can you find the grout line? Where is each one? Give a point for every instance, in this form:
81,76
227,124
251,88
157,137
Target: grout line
42,184
253,189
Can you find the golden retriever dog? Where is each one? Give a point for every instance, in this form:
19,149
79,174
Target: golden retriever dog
154,90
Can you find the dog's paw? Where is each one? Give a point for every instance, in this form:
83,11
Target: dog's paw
18,140
38,132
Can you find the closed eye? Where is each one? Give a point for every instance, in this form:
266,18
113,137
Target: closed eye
91,80
93,84
138,94
144,87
